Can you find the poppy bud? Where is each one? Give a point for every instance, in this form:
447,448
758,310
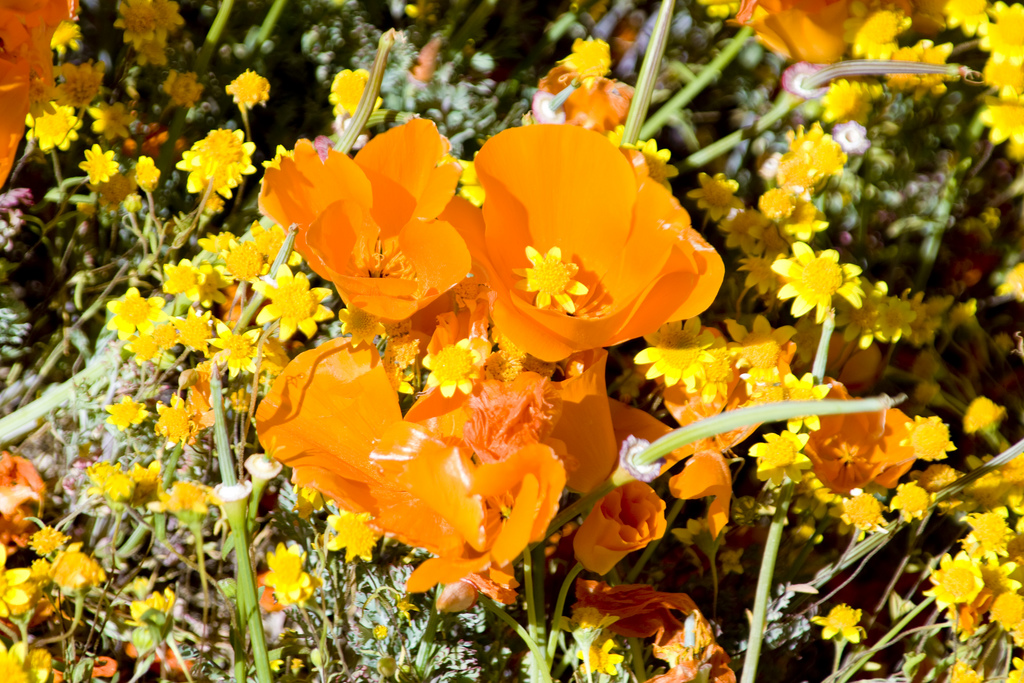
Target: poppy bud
457,597
625,520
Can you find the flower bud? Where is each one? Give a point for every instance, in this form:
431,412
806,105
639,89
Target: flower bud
625,520
457,597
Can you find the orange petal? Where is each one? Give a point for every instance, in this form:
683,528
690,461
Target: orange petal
14,94
706,474
439,255
443,570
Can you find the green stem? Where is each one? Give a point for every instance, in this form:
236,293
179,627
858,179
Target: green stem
370,92
784,103
636,658
236,509
197,536
23,420
677,507
645,82
269,22
257,300
488,604
133,542
710,72
884,640
213,38
556,618
473,24
754,415
171,465
764,584
225,462
821,357
423,651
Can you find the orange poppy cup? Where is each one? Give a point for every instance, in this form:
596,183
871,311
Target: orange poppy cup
625,520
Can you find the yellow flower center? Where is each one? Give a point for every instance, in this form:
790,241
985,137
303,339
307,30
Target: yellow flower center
718,193
761,351
822,277
990,531
930,439
959,583
135,310
842,617
863,511
552,279
453,364
776,204
781,452
881,27
295,300
139,17
678,349
913,499
238,346
245,261
1008,610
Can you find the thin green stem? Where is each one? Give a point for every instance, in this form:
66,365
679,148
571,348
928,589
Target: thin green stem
473,24
423,651
269,22
710,72
171,465
764,584
488,604
212,38
645,82
531,599
636,658
556,618
784,104
366,104
197,537
821,357
225,461
257,300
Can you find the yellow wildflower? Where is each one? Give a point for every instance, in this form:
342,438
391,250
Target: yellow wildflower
1013,285
194,330
126,413
957,581
147,175
159,602
983,414
174,422
849,101
81,84
929,437
380,632
552,280
911,500
658,167
111,120
454,368
925,52
189,501
67,36
716,195
56,127
47,540
238,350
352,533
842,621
134,313
183,89
761,348
220,159
864,512
307,501
148,483
781,455
872,30
470,188
361,325
803,389
590,58
290,583
243,261
970,16
989,535
1005,35
812,280
75,571
1007,610
207,291
677,352
600,658
293,302
347,89
249,89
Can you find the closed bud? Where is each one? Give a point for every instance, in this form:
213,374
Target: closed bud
457,597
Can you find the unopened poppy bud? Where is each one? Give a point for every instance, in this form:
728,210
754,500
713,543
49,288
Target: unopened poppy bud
628,452
625,520
263,467
543,110
457,597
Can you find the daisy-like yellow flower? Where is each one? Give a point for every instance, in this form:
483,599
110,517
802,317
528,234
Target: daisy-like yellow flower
970,16
716,374
600,658
111,482
1006,77
658,167
677,352
148,483
760,349
47,540
717,195
864,512
925,52
983,414
208,288
279,154
220,159
1013,285
781,455
813,280
194,330
67,36
777,203
180,278
842,621
238,350
160,602
189,501
111,120
929,437
744,229
286,577
119,189
56,127
134,313
126,413
183,89
590,58
872,31
144,349
138,19
804,389
147,175
813,157
849,101
352,534
74,571
307,501
760,275
174,422
244,262
269,241
911,500
81,84
15,587
805,222
957,581
249,89
293,302
989,537
1005,118
347,89
895,320
552,279
362,326
1007,610
454,368
1005,35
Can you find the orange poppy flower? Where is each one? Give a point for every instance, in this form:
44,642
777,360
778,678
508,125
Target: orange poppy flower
644,613
625,520
26,27
601,104
802,30
851,451
20,486
369,224
333,416
578,254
